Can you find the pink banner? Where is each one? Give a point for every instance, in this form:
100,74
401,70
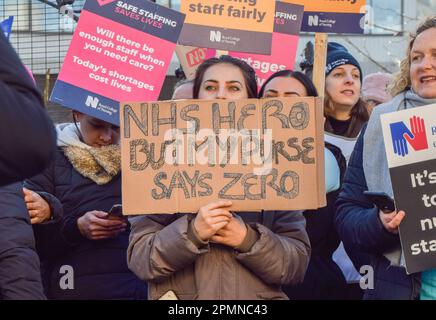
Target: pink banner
116,61
120,51
284,50
287,25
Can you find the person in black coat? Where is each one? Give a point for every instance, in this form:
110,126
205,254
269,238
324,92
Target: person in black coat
27,135
27,144
323,279
70,201
19,264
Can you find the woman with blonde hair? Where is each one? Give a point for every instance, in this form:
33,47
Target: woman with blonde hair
358,221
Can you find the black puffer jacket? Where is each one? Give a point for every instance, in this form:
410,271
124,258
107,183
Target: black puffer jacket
361,230
100,266
324,279
19,264
24,123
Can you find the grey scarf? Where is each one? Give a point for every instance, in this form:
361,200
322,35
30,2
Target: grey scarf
375,165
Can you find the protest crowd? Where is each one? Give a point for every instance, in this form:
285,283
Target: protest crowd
62,235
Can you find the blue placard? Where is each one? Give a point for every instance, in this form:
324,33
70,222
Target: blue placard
331,22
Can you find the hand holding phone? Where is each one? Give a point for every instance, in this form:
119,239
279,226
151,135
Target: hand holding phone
116,212
381,200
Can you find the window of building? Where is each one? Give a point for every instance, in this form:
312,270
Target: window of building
384,17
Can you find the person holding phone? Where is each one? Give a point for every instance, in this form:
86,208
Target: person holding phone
359,222
323,279
69,204
381,200
215,254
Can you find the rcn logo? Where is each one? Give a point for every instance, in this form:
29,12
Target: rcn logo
313,21
402,136
215,36
91,102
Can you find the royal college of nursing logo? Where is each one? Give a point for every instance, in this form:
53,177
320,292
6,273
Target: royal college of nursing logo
402,136
91,102
215,36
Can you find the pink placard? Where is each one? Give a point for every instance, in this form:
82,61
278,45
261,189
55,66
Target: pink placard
283,53
116,61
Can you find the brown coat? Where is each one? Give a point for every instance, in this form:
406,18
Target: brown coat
161,252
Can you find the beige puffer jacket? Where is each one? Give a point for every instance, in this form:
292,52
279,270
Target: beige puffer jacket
163,252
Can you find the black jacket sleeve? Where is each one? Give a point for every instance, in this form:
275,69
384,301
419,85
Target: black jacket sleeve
27,135
49,240
20,276
357,219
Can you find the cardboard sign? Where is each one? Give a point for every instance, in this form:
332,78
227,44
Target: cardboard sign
287,27
245,26
346,16
261,154
191,57
120,51
410,142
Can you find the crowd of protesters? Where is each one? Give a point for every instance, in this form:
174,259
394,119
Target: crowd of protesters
58,184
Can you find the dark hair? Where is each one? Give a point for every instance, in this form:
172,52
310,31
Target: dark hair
359,116
247,71
307,64
304,80
180,74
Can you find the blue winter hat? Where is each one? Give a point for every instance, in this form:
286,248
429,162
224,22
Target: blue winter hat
338,55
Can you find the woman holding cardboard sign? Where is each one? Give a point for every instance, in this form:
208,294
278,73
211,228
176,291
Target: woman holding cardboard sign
359,222
323,279
82,246
216,254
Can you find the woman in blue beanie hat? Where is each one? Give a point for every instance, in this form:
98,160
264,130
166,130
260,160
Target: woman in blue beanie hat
345,114
344,110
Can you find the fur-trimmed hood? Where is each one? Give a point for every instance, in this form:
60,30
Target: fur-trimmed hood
98,164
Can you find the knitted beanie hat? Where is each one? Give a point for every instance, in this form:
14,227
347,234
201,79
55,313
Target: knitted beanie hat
374,87
338,55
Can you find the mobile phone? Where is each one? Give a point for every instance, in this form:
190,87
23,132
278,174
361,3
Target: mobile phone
381,200
116,211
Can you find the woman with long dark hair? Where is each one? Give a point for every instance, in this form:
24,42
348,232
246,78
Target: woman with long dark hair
214,253
323,279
